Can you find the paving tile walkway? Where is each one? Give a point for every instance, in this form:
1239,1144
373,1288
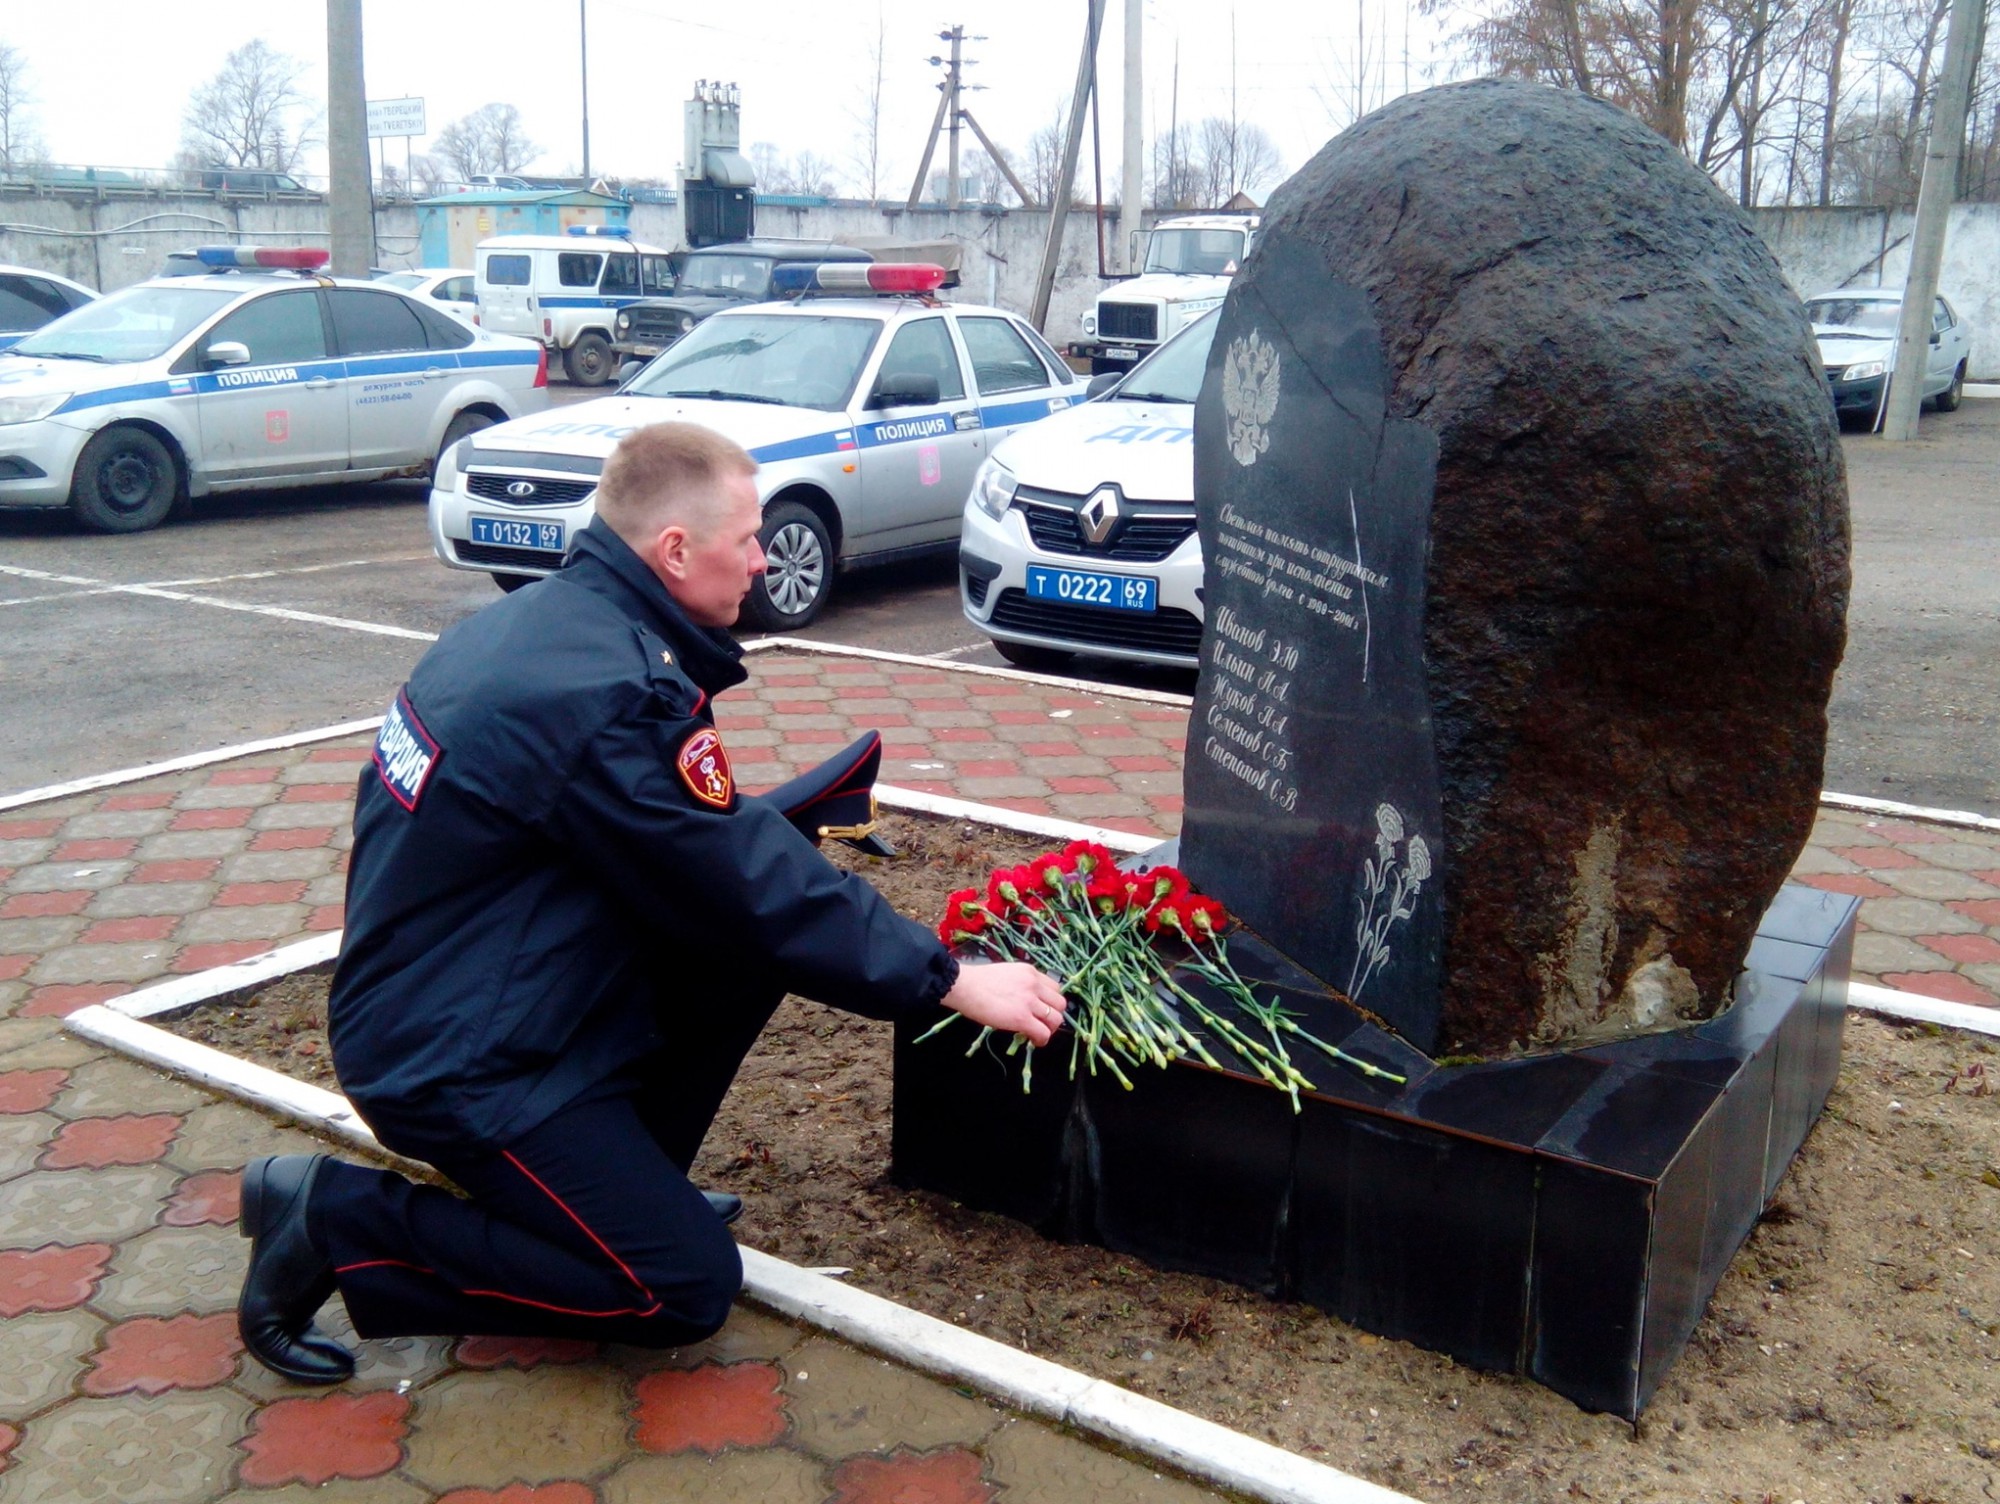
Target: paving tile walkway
120,1373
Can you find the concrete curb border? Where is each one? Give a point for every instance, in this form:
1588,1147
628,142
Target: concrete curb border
1032,1385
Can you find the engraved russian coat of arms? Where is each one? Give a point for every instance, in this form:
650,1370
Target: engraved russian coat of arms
1250,395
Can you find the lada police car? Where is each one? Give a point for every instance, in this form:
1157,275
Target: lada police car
258,376
868,417
1079,536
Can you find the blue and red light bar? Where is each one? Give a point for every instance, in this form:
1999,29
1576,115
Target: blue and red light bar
290,258
615,232
857,276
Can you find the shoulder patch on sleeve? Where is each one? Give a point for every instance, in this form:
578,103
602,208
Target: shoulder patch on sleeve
704,768
405,753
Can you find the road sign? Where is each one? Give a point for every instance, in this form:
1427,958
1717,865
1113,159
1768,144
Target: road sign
395,117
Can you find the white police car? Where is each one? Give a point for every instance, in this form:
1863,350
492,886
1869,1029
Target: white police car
1080,536
867,415
257,376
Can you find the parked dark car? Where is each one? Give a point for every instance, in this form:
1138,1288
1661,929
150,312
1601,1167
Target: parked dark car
30,298
710,280
250,180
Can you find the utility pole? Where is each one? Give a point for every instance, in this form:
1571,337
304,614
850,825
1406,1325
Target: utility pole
1086,72
956,36
951,109
1940,187
350,200
1132,195
583,55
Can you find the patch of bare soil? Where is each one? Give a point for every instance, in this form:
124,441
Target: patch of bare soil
1849,1355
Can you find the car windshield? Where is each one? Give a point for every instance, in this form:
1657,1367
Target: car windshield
139,323
1872,315
1173,372
741,276
798,361
411,280
1213,253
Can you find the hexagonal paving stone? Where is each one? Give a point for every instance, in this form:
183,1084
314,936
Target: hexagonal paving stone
45,1353
1876,954
170,1269
154,1354
775,1476
107,1086
81,1206
313,1440
490,1429
1037,1464
334,1491
1915,916
947,1475
228,1135
22,1140
173,1449
843,1401
748,1334
713,1408
19,1033
63,1051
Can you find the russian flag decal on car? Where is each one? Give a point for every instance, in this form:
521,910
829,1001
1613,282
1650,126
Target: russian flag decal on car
405,753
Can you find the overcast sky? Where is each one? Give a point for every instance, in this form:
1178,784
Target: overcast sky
112,77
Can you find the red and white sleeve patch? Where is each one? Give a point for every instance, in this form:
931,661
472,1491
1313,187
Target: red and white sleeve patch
705,769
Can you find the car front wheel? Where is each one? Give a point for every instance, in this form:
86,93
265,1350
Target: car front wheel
798,570
126,482
588,361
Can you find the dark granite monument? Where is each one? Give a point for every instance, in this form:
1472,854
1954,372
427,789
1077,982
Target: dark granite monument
1515,439
1525,532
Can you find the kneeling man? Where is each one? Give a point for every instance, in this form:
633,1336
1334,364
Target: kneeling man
565,928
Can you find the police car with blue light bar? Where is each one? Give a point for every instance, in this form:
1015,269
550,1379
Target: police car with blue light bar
867,414
260,374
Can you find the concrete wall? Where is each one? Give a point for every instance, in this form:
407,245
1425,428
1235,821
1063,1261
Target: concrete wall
1822,249
111,242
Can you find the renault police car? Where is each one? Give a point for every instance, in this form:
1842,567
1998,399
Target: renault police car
1079,536
867,416
259,375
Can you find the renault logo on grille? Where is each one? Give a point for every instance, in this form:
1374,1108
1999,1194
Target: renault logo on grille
521,490
1099,515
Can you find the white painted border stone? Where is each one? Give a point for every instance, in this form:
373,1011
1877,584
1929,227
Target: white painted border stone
1917,1008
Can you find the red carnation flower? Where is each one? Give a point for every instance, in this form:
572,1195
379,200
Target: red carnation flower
1157,883
964,916
1090,857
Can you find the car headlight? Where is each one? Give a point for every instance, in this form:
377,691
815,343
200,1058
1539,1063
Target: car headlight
445,477
32,408
624,322
993,488
1090,323
1864,370
687,322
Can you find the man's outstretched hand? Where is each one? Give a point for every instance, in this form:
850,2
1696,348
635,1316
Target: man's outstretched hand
1011,996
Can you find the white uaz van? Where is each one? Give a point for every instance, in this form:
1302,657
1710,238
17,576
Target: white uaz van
565,290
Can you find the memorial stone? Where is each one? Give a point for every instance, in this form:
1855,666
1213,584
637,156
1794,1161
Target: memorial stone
1525,526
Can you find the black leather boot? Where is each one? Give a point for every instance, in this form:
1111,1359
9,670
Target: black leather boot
724,1205
289,1278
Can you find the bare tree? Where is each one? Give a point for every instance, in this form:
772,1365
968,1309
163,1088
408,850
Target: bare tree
251,114
1233,156
1176,178
489,140
20,144
1045,156
806,174
866,157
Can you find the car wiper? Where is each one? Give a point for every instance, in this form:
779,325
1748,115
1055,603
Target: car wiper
103,360
1121,395
716,394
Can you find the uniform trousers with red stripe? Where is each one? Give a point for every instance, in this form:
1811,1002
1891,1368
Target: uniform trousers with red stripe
585,1227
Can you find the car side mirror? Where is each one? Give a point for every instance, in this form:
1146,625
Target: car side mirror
1101,383
1936,338
904,389
227,352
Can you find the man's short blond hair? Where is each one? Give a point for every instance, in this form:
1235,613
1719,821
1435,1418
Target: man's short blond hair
667,473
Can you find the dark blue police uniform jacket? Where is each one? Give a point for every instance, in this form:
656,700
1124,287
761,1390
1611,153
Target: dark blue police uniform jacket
532,869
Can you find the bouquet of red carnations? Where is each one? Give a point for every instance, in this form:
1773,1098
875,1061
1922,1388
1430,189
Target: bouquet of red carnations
1122,945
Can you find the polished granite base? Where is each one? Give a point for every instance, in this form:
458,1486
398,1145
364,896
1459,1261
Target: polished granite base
1562,1216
